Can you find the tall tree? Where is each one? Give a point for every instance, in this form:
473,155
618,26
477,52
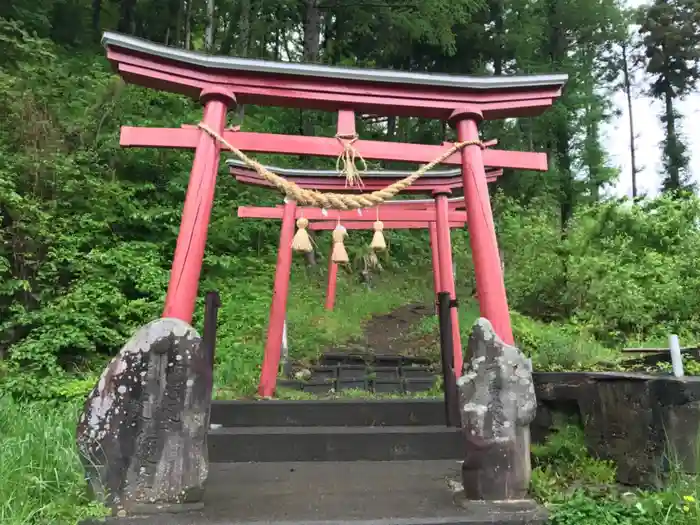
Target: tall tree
627,85
671,36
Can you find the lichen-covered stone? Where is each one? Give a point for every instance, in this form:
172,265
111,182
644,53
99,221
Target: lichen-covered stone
142,433
497,405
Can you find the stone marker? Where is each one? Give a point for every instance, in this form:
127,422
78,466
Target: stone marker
142,433
497,404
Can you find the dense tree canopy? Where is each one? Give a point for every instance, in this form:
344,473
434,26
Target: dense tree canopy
88,229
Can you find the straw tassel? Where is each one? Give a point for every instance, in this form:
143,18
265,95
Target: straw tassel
378,242
302,241
339,255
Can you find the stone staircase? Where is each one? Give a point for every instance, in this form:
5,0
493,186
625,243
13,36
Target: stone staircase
338,461
379,374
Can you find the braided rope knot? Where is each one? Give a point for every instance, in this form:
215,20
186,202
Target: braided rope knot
336,201
346,162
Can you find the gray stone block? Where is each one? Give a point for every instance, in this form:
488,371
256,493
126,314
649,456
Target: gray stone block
497,405
142,433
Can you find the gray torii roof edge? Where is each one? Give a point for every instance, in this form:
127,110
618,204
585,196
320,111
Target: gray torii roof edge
202,60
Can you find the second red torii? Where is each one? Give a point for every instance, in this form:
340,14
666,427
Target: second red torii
438,216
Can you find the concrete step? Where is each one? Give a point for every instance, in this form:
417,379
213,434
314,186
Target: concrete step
333,413
360,493
390,443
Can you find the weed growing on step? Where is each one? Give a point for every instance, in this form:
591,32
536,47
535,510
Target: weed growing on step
294,395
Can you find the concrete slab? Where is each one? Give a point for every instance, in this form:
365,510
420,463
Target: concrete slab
334,413
273,444
358,493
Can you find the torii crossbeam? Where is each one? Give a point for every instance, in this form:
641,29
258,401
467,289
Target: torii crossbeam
221,82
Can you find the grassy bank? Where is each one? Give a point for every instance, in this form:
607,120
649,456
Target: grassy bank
579,490
41,479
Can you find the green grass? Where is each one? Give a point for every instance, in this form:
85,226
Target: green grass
41,479
311,328
580,490
552,346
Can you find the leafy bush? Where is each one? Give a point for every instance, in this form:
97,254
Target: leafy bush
622,270
560,346
631,269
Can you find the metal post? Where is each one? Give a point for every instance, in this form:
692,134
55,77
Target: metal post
445,305
676,357
212,303
432,228
284,352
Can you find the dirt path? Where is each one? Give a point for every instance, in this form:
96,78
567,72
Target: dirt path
394,334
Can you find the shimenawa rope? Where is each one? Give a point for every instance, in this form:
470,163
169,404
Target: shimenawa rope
346,161
335,201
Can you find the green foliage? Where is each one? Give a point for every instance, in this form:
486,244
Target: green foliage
561,346
311,328
41,473
691,367
580,490
623,271
631,269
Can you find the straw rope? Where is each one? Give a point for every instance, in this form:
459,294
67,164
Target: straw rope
335,201
346,162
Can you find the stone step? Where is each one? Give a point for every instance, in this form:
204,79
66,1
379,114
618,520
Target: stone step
328,493
325,387
329,412
371,359
390,443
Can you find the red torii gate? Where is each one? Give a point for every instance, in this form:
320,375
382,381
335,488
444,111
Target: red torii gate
221,82
402,214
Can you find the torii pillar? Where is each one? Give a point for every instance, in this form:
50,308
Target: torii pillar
490,286
192,239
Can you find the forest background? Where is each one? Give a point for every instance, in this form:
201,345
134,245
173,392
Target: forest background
87,229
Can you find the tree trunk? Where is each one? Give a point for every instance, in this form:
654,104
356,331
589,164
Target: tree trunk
673,166
209,32
243,47
278,38
558,53
312,31
391,127
96,18
127,21
178,23
628,94
312,47
497,8
188,25
328,32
